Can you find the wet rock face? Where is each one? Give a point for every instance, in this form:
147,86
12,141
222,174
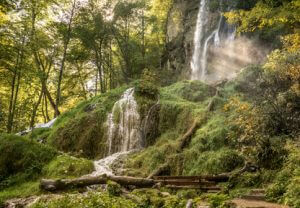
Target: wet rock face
180,31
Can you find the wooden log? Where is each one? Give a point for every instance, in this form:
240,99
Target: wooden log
55,185
163,168
185,140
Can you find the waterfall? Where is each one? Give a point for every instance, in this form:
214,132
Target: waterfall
204,55
124,125
123,132
198,36
202,45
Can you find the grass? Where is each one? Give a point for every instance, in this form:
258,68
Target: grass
20,190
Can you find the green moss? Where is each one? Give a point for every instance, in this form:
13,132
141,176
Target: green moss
82,130
65,166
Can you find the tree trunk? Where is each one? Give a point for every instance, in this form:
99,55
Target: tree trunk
9,121
35,108
55,185
62,65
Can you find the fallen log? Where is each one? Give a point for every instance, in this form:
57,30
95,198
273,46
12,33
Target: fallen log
185,140
163,168
56,185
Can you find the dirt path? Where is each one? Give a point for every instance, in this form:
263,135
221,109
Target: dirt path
247,203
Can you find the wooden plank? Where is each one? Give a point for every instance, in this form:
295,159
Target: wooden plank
219,178
213,188
185,182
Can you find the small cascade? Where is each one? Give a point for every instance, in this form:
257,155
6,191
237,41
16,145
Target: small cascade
124,125
103,166
123,132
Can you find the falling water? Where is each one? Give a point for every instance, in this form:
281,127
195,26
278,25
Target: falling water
196,59
124,125
204,55
201,45
103,166
123,131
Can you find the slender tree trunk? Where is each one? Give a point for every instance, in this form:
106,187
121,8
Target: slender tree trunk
43,110
9,123
98,57
96,83
35,108
62,65
14,92
46,108
18,83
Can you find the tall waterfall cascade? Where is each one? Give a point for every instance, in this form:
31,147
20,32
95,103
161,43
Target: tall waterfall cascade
222,36
123,132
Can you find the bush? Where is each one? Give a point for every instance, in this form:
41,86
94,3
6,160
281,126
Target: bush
113,188
212,162
285,187
21,159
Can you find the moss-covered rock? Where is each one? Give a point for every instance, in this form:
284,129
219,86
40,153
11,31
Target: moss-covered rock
82,130
66,166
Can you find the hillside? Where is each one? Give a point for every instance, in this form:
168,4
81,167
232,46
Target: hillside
150,104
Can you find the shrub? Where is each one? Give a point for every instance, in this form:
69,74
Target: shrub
21,158
113,188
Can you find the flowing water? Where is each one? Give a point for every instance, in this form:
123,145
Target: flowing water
103,166
198,36
222,35
123,124
123,132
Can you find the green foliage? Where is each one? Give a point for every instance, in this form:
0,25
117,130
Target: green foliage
292,195
39,134
65,166
217,200
285,188
211,162
113,188
91,200
21,159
